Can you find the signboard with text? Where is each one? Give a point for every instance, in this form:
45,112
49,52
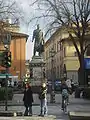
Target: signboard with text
87,63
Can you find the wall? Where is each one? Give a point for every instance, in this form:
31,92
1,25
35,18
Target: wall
18,51
18,56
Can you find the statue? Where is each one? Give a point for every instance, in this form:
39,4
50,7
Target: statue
39,41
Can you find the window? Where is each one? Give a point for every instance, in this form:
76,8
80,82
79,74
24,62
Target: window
57,71
60,46
55,46
46,54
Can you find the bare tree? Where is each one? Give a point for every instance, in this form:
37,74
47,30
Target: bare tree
9,9
74,15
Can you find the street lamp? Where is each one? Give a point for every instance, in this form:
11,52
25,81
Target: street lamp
42,64
64,72
52,96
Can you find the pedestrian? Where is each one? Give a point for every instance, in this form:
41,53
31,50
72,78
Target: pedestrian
64,92
68,83
72,85
43,100
28,100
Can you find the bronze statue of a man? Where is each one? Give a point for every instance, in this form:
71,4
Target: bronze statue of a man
39,41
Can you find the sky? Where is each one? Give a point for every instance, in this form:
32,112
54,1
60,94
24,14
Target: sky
25,28
30,12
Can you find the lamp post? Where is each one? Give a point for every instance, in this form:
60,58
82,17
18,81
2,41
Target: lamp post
64,72
52,96
42,64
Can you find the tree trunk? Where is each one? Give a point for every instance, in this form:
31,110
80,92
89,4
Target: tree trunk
82,71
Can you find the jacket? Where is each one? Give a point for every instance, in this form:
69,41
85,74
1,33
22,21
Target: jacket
64,86
28,97
42,93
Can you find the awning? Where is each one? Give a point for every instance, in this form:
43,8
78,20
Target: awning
9,75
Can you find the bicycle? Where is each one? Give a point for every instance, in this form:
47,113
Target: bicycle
65,103
65,99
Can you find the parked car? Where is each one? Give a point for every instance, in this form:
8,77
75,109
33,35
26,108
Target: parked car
57,85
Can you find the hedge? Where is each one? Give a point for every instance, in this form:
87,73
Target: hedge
3,93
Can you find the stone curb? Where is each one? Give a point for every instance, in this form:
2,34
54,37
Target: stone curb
18,115
10,113
34,117
78,115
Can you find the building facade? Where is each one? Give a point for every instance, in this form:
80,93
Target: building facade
64,56
17,48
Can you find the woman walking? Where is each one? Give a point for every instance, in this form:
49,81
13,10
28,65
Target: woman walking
28,99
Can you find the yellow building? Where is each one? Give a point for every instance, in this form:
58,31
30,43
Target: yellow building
64,55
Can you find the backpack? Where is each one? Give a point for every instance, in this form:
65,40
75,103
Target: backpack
65,93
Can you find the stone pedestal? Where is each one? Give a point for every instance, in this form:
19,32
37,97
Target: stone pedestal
37,65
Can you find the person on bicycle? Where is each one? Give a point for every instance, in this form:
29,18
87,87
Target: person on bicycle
64,92
68,83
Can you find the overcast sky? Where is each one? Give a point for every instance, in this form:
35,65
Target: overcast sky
29,12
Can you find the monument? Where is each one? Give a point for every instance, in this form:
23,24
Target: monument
39,41
37,64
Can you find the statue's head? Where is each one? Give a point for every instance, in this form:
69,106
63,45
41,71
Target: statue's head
37,26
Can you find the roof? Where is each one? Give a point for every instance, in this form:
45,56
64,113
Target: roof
15,34
53,35
62,28
19,34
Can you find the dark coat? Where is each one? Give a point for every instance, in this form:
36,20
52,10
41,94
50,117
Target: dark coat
28,97
64,86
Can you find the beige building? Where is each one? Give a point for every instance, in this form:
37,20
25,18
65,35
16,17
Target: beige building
64,55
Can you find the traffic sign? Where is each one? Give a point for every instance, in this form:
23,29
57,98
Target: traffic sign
87,63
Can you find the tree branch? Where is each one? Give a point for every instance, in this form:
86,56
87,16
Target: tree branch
86,47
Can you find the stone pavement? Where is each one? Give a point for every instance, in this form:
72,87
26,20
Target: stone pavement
17,100
29,118
54,110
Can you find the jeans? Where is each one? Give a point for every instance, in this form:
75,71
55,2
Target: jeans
43,106
28,110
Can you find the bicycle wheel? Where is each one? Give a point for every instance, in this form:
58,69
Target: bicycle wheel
65,105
